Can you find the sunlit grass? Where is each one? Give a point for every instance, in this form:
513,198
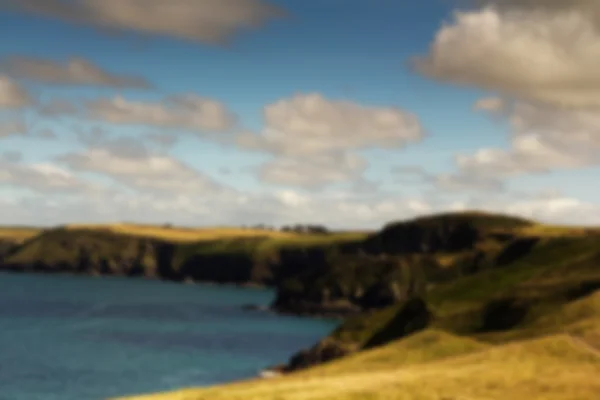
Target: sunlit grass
554,367
544,230
180,234
18,233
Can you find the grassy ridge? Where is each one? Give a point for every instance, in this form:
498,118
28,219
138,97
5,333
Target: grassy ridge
551,352
17,233
434,365
171,253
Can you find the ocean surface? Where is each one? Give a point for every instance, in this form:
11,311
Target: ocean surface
68,337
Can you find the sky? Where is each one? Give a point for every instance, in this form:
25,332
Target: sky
347,113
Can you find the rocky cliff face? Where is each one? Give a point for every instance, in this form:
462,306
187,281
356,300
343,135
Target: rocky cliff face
336,278
6,247
235,261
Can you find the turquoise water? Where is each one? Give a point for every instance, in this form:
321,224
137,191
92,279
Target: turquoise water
83,338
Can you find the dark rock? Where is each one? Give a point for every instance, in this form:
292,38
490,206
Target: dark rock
324,351
444,234
413,316
515,250
503,314
583,289
383,294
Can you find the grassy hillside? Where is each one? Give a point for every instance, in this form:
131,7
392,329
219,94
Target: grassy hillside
524,326
231,255
179,234
17,233
493,304
559,363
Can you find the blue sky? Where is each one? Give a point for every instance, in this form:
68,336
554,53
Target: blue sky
328,162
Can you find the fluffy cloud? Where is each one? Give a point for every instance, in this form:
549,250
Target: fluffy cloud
314,140
56,108
311,124
313,172
139,145
75,71
447,182
12,127
210,21
143,171
189,112
277,208
489,104
590,7
543,139
536,50
12,95
42,178
549,207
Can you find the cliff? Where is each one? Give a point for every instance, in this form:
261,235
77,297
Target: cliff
520,281
258,258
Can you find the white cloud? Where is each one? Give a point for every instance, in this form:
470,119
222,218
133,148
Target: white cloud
543,139
313,172
75,71
311,124
12,127
12,95
42,178
188,112
315,141
278,208
210,21
557,209
160,174
469,181
490,104
546,54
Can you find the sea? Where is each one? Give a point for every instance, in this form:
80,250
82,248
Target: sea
65,337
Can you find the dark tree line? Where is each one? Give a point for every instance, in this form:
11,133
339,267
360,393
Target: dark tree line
299,228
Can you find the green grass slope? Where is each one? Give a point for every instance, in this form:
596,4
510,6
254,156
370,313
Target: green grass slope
220,255
553,356
434,365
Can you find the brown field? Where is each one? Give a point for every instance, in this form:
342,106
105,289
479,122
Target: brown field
181,234
18,233
557,367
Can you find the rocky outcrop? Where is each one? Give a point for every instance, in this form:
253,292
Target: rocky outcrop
6,248
351,284
412,316
445,235
516,249
326,350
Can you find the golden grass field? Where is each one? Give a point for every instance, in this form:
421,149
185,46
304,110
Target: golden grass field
544,230
184,234
557,367
181,234
556,358
18,233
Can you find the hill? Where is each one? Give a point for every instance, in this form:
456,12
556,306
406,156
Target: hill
436,365
516,315
226,255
